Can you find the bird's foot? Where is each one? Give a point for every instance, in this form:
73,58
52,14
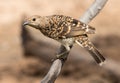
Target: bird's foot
62,56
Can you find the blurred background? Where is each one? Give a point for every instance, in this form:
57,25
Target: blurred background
25,54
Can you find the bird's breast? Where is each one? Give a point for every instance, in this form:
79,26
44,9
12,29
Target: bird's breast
67,41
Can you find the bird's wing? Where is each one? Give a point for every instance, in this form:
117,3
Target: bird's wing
76,28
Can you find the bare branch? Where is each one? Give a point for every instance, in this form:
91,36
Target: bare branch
53,72
55,68
86,18
93,11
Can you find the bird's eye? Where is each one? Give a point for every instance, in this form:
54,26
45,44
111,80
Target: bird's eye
34,19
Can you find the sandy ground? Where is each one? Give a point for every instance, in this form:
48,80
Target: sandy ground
12,12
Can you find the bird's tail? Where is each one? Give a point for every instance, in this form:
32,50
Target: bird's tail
84,42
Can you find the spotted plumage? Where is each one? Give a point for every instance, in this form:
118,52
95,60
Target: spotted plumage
67,31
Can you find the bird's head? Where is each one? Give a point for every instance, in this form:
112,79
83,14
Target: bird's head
33,21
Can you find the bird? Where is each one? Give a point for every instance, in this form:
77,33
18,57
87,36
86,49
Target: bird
67,31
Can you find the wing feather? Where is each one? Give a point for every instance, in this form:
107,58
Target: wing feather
77,28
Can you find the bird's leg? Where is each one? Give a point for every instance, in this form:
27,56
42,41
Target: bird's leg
63,52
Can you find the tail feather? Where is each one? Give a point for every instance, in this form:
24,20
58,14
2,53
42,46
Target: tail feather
95,57
91,49
95,53
100,55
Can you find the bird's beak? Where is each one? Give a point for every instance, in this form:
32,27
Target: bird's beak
25,23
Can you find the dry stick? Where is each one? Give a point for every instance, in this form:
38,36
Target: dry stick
55,68
86,18
53,72
93,11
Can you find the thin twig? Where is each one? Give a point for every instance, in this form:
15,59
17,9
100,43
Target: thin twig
86,18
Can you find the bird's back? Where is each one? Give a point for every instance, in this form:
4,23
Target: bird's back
66,27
